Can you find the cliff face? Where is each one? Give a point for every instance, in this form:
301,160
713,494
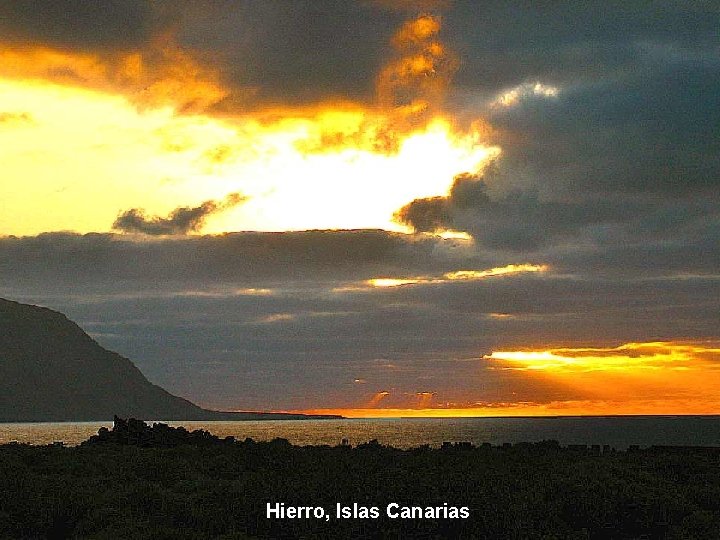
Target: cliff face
50,370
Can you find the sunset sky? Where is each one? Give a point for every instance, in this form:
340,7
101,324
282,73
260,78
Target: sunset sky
376,208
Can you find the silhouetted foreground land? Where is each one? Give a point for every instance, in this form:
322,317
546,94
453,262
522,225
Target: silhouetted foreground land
161,482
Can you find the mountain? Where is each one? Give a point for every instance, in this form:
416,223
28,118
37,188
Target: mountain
51,371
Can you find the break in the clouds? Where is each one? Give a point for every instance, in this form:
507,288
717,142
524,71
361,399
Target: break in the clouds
182,220
577,139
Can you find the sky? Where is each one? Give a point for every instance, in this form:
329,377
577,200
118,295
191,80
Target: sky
374,208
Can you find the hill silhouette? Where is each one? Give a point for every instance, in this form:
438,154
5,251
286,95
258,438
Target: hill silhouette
51,370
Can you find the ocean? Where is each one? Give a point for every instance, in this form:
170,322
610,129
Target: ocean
616,431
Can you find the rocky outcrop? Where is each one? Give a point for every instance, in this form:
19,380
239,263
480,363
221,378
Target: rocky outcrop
135,432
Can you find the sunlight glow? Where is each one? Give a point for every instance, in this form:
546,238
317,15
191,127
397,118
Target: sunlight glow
465,275
553,408
457,275
390,282
319,171
454,235
100,134
351,186
634,378
631,356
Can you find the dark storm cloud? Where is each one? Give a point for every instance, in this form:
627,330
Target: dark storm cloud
294,52
82,24
588,226
306,51
110,263
426,215
624,154
228,320
278,53
505,43
182,220
635,120
625,157
270,52
96,261
233,351
649,133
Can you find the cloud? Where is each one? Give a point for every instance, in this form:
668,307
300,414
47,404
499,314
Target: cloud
569,42
426,215
524,91
160,75
607,128
161,53
514,221
415,82
412,6
299,53
631,159
82,24
292,54
410,91
124,47
650,131
257,56
228,320
108,262
623,358
455,275
182,220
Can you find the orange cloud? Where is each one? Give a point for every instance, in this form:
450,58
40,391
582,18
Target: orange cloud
162,75
457,275
414,84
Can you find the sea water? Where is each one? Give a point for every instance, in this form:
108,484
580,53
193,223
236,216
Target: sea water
618,432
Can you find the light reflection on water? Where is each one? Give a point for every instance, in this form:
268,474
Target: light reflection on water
619,432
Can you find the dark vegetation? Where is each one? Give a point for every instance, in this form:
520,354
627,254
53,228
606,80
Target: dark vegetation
51,370
140,482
